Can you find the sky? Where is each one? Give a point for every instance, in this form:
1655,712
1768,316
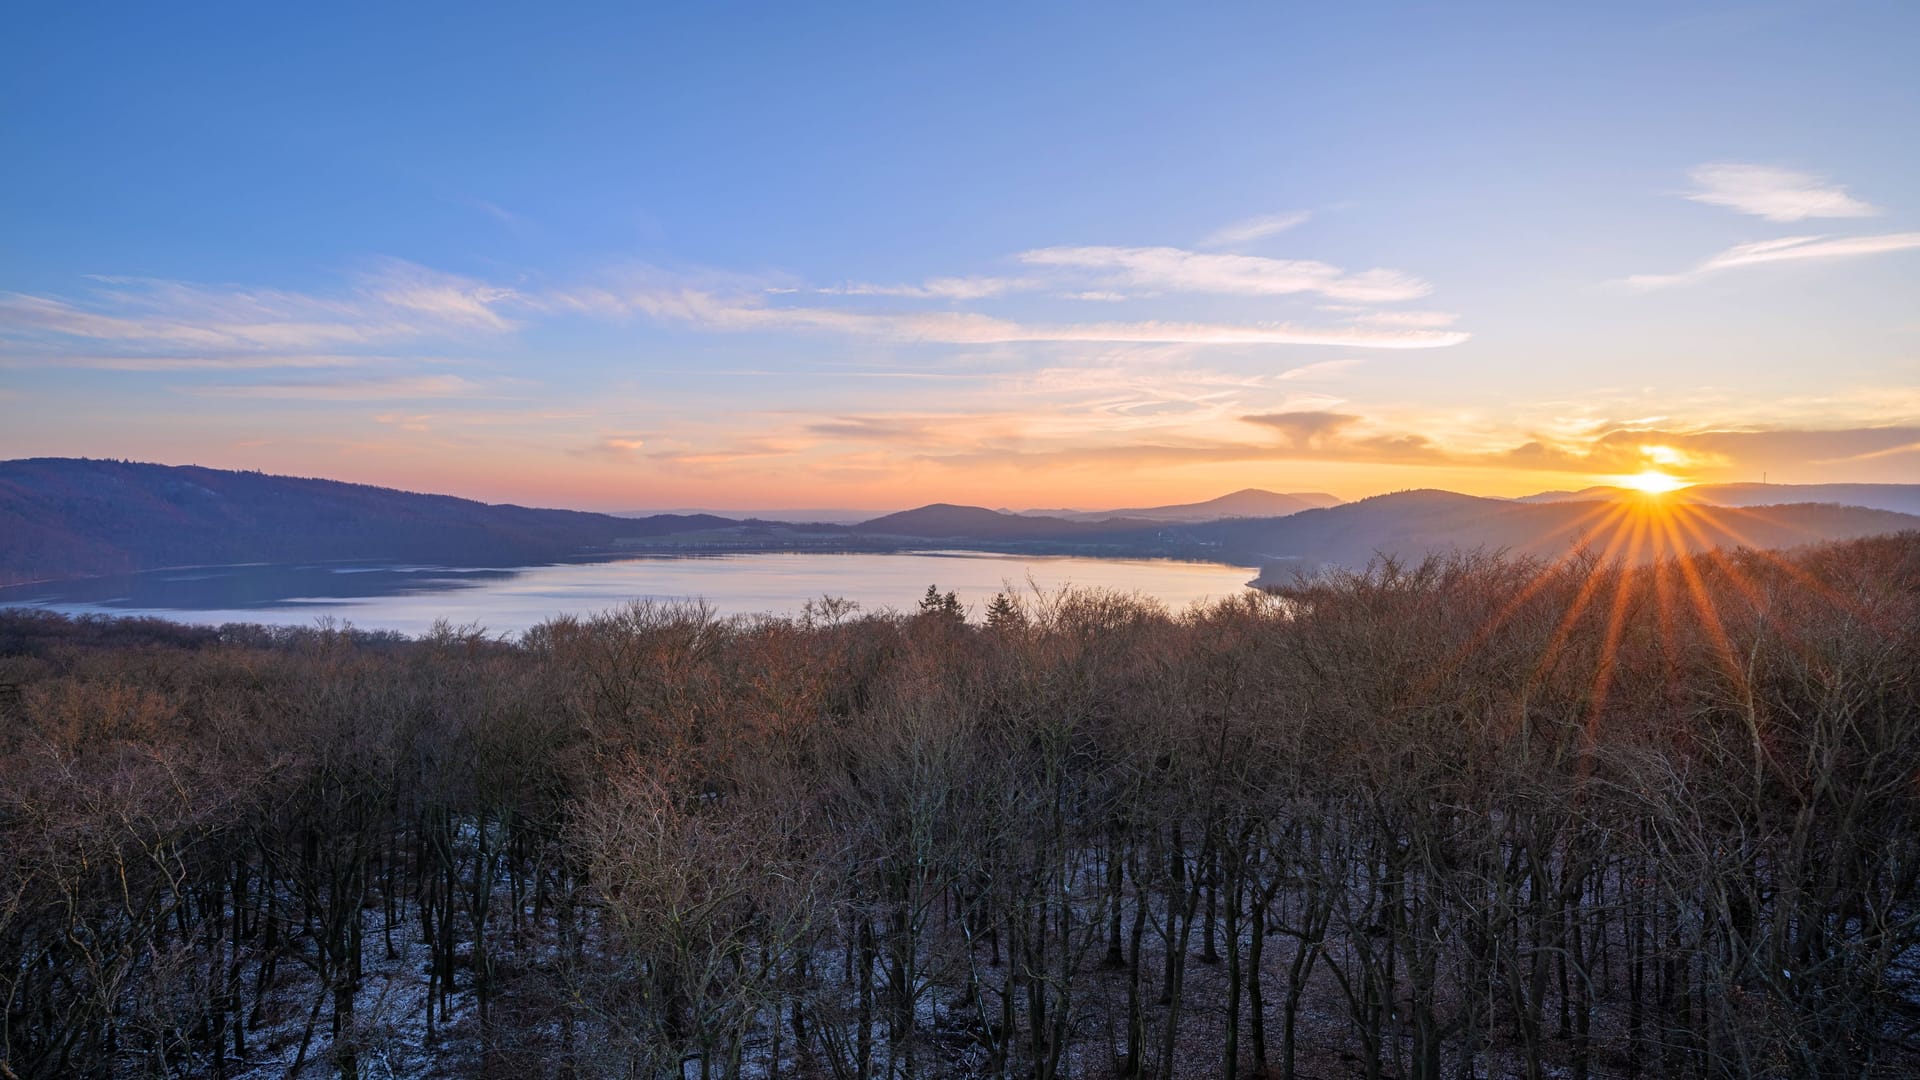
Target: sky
876,255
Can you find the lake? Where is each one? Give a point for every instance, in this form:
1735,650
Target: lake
410,598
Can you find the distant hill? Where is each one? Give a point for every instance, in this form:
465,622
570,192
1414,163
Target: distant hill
1247,502
948,521
1412,524
63,517
68,517
1899,498
830,515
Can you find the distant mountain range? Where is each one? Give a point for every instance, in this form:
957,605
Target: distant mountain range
64,517
1247,502
947,521
1899,498
831,515
1412,524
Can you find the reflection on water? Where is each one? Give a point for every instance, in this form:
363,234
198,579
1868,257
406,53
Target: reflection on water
411,598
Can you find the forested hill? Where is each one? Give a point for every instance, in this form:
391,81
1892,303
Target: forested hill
1245,503
945,520
1412,524
1899,498
66,517
62,518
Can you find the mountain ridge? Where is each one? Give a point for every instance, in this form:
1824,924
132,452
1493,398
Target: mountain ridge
68,517
1246,502
1414,524
952,520
1899,498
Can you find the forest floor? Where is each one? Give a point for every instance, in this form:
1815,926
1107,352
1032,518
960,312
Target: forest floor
391,1023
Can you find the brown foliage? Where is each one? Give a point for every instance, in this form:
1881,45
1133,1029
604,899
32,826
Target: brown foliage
1467,816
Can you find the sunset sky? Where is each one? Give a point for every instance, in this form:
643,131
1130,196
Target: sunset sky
874,256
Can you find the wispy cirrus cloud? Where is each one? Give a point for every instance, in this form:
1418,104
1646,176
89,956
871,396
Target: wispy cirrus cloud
395,301
251,362
1326,435
444,300
27,317
515,223
947,288
621,447
1426,320
1156,393
1786,249
1333,434
715,459
1177,270
376,389
1306,427
1333,443
1322,370
749,313
880,429
1248,230
1689,451
1775,194
158,325
416,422
1165,407
1151,393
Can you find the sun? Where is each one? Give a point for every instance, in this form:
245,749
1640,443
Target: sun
1652,482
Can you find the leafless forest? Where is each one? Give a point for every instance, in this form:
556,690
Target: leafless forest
1473,817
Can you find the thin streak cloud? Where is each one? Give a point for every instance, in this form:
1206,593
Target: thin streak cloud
962,328
1177,270
1254,228
398,301
1787,249
424,386
189,363
1781,195
947,288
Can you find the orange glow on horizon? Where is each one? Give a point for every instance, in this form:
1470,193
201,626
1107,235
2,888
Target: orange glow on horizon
1652,482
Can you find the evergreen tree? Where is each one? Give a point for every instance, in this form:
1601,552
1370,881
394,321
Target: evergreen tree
1003,613
943,605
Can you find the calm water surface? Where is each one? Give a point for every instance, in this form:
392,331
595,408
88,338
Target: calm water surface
410,598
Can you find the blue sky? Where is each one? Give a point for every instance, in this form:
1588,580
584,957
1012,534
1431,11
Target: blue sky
877,255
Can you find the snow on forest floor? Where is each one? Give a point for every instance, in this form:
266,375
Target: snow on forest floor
390,1017
392,1027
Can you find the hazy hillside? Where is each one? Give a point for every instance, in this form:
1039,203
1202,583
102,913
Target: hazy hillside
1409,524
72,518
64,517
1414,523
1899,498
808,515
1247,502
948,521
